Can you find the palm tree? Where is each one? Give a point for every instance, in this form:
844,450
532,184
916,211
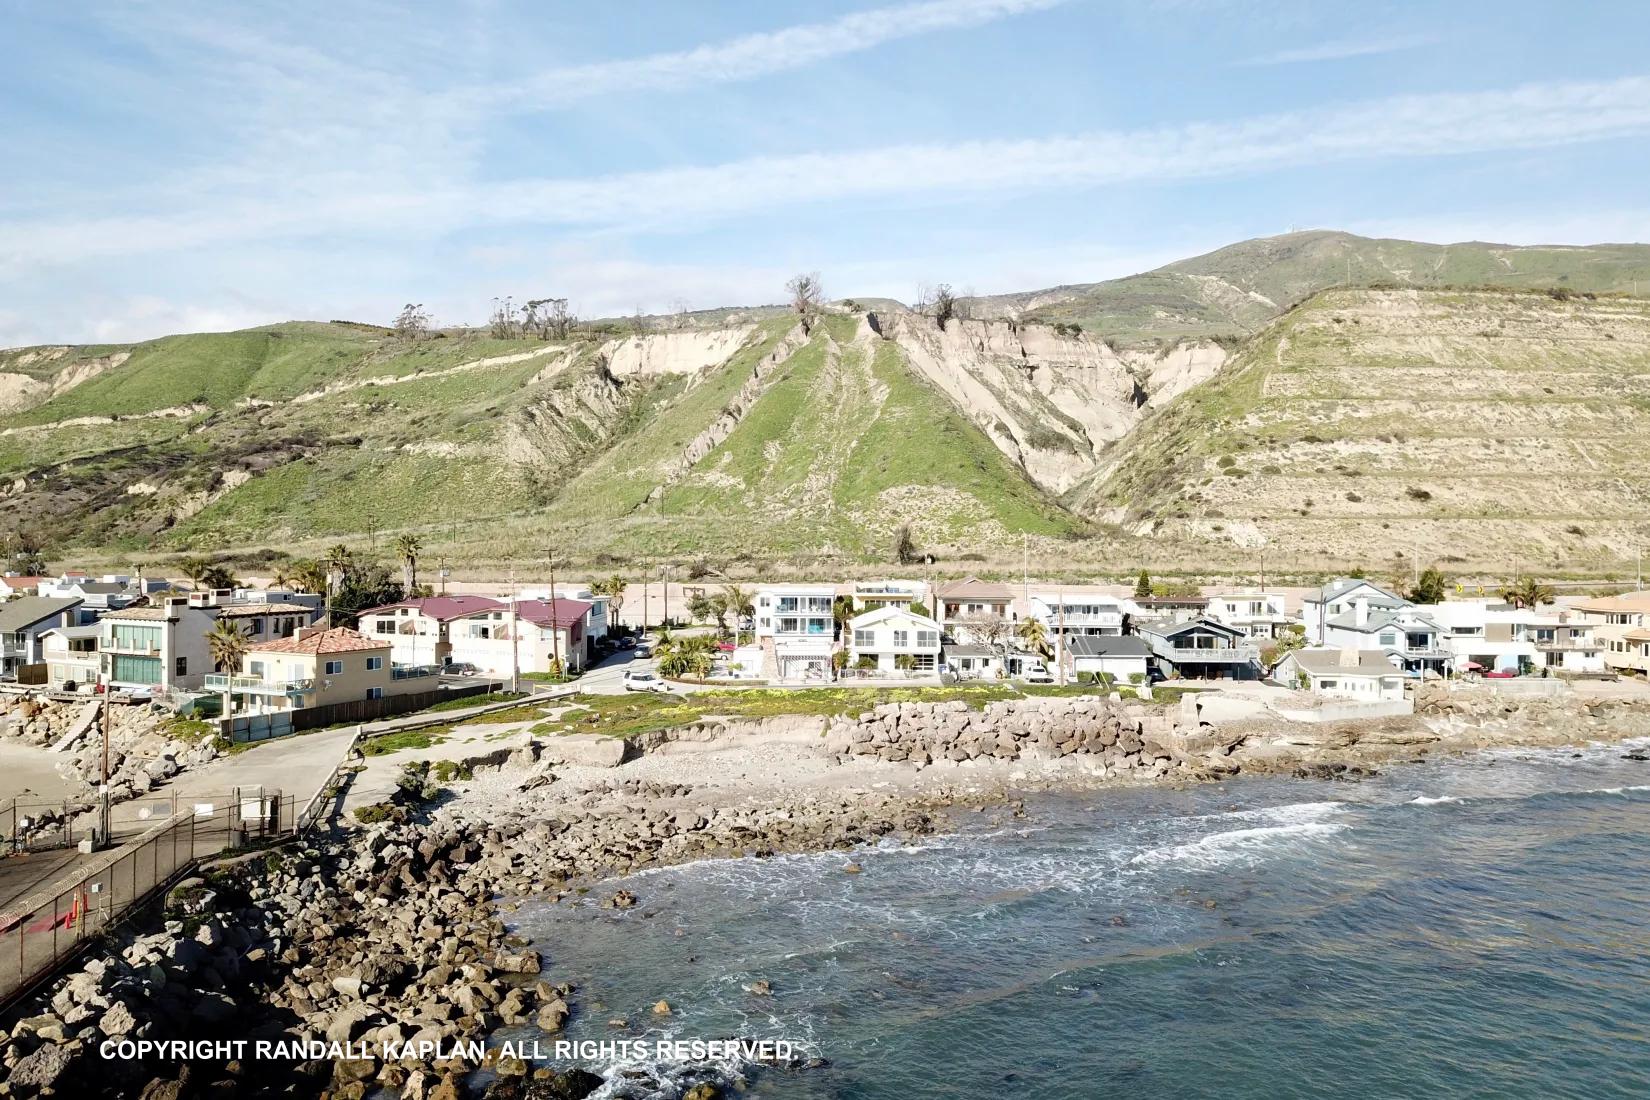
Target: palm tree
613,589
309,576
407,548
195,568
1034,635
1528,593
281,576
226,645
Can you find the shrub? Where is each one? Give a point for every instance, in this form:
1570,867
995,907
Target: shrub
1417,494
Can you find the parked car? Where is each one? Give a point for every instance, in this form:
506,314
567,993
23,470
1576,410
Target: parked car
644,681
461,668
643,652
1155,675
1038,675
627,642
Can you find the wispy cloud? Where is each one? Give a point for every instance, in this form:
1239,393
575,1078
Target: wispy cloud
1341,49
1527,117
750,56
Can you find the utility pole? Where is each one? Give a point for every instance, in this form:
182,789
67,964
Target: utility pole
442,573
1060,638
555,618
515,629
102,839
1025,566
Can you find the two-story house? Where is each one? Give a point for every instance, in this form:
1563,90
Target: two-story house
796,630
1339,597
1621,626
893,640
1412,639
312,668
418,630
1076,616
1258,614
25,621
967,605
528,638
73,662
160,647
1201,649
1490,634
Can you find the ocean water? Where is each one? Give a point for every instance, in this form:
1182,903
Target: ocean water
1474,928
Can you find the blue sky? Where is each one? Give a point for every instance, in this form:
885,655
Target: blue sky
186,166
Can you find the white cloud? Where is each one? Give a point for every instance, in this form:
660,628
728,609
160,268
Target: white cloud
1526,117
753,55
1341,50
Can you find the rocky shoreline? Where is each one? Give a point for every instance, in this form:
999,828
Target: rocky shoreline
390,940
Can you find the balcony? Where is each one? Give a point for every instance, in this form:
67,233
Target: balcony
256,685
1427,652
1192,654
140,649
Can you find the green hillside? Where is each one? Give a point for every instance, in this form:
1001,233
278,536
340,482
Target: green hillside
1376,424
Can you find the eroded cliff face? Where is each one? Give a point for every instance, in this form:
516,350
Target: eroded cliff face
1051,401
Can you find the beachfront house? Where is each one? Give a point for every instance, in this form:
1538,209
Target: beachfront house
24,623
893,641
1120,659
796,631
419,630
1621,626
315,667
873,595
1415,640
1201,649
1363,674
975,611
71,656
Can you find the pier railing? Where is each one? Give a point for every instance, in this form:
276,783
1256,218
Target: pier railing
42,930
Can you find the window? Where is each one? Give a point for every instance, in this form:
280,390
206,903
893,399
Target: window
863,639
374,664
1326,685
383,626
375,693
334,668
255,668
1389,639
927,639
257,627
902,638
181,667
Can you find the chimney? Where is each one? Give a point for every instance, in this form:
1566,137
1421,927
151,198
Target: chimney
1360,610
1349,657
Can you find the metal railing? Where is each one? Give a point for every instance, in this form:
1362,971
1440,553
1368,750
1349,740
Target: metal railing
1196,653
257,685
413,672
40,932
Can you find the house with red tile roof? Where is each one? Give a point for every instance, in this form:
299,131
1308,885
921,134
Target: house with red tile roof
316,667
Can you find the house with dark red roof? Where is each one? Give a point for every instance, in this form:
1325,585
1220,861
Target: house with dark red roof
419,631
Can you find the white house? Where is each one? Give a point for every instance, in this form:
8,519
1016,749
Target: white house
595,620
418,629
893,639
974,661
1258,614
1339,597
25,621
71,657
15,584
1121,659
528,639
1494,635
1363,674
1076,615
1414,639
796,630
871,595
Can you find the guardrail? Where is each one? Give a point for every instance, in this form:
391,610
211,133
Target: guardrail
40,932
